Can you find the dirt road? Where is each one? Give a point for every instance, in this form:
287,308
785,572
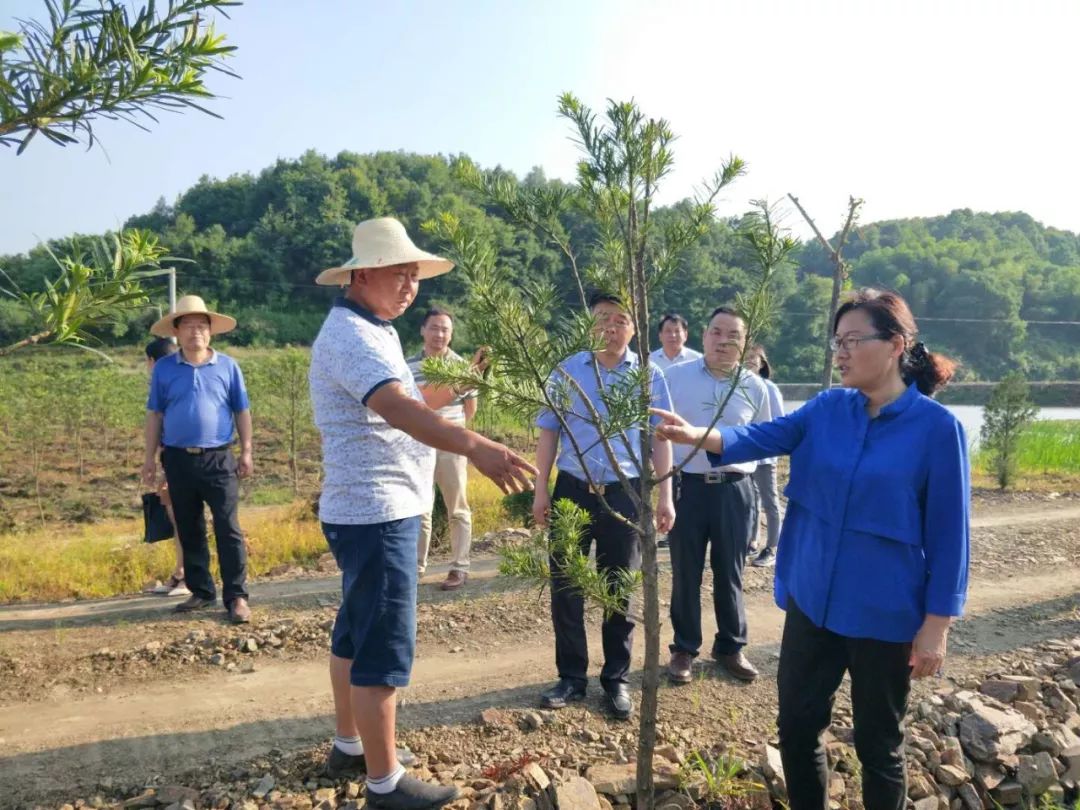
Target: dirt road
69,743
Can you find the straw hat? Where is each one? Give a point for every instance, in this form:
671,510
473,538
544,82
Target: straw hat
192,305
383,242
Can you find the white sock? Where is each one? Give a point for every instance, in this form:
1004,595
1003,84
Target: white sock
387,783
349,745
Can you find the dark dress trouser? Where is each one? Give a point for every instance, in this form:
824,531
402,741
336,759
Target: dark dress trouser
617,546
208,478
714,516
812,664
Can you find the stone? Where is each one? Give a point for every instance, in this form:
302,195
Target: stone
952,775
952,752
987,733
1005,691
1036,773
1008,792
602,801
1031,711
773,768
174,794
264,786
217,659
147,798
988,776
1070,758
969,797
495,718
533,721
927,803
249,645
919,786
1057,700
613,780
325,798
576,793
1028,686
535,774
836,786
670,753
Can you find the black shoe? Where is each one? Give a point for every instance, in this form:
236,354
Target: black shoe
193,603
412,794
618,701
565,691
340,764
766,559
662,541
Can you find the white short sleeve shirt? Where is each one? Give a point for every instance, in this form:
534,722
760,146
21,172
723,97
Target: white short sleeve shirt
372,472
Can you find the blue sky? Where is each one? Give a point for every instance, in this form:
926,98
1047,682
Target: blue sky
919,107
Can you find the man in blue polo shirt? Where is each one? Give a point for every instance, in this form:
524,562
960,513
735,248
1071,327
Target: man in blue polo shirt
197,397
617,544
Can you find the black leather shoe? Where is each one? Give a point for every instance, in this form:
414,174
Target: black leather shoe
340,764
565,691
618,701
412,794
194,603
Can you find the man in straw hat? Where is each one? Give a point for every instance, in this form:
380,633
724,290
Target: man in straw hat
196,397
378,464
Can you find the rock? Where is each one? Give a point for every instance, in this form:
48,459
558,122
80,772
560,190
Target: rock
987,733
217,659
147,798
495,718
927,803
176,794
352,790
1036,773
153,647
325,798
536,775
1071,760
1028,686
988,776
249,645
533,721
666,776
773,768
576,793
919,787
836,786
601,800
952,775
1008,792
1031,711
969,797
670,753
1057,700
1074,671
265,785
952,752
613,780
1005,691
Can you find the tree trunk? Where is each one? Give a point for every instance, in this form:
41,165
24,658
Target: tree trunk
651,680
834,303
30,341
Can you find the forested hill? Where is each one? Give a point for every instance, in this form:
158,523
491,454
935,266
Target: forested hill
257,242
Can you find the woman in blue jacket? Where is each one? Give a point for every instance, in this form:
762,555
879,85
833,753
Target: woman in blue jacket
873,556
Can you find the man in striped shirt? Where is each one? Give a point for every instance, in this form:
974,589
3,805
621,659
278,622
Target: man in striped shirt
451,470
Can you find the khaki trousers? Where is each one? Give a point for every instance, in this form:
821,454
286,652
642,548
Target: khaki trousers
451,474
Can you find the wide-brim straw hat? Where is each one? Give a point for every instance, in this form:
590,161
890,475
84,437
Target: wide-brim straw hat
383,242
192,305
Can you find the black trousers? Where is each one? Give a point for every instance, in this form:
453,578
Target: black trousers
210,479
715,516
812,664
617,546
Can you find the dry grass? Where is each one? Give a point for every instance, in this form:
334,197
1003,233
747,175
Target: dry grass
108,559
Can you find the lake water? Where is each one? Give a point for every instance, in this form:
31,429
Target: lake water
971,416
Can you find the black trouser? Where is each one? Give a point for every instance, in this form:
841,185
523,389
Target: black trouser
716,515
208,478
617,546
812,664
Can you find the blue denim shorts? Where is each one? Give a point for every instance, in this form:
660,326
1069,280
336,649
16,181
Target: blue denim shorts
376,624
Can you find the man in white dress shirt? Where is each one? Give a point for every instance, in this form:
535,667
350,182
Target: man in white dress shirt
673,349
714,505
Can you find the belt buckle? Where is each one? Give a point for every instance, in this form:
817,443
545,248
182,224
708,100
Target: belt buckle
195,451
597,489
714,477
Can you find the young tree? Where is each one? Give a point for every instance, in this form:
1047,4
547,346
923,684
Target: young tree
90,292
841,274
1009,411
530,331
102,60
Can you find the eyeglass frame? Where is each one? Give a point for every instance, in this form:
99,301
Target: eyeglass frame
835,344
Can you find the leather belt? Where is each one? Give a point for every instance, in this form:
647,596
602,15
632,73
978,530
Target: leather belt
198,451
715,477
596,489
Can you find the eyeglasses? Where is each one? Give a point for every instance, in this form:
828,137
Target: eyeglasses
851,342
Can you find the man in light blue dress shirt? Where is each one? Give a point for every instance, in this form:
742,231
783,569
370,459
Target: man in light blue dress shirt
714,505
673,350
617,543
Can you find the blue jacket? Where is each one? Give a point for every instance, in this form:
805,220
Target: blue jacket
876,534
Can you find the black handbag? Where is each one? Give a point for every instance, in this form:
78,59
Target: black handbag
156,523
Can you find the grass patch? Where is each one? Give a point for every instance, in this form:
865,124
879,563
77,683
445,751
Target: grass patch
109,559
1047,451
